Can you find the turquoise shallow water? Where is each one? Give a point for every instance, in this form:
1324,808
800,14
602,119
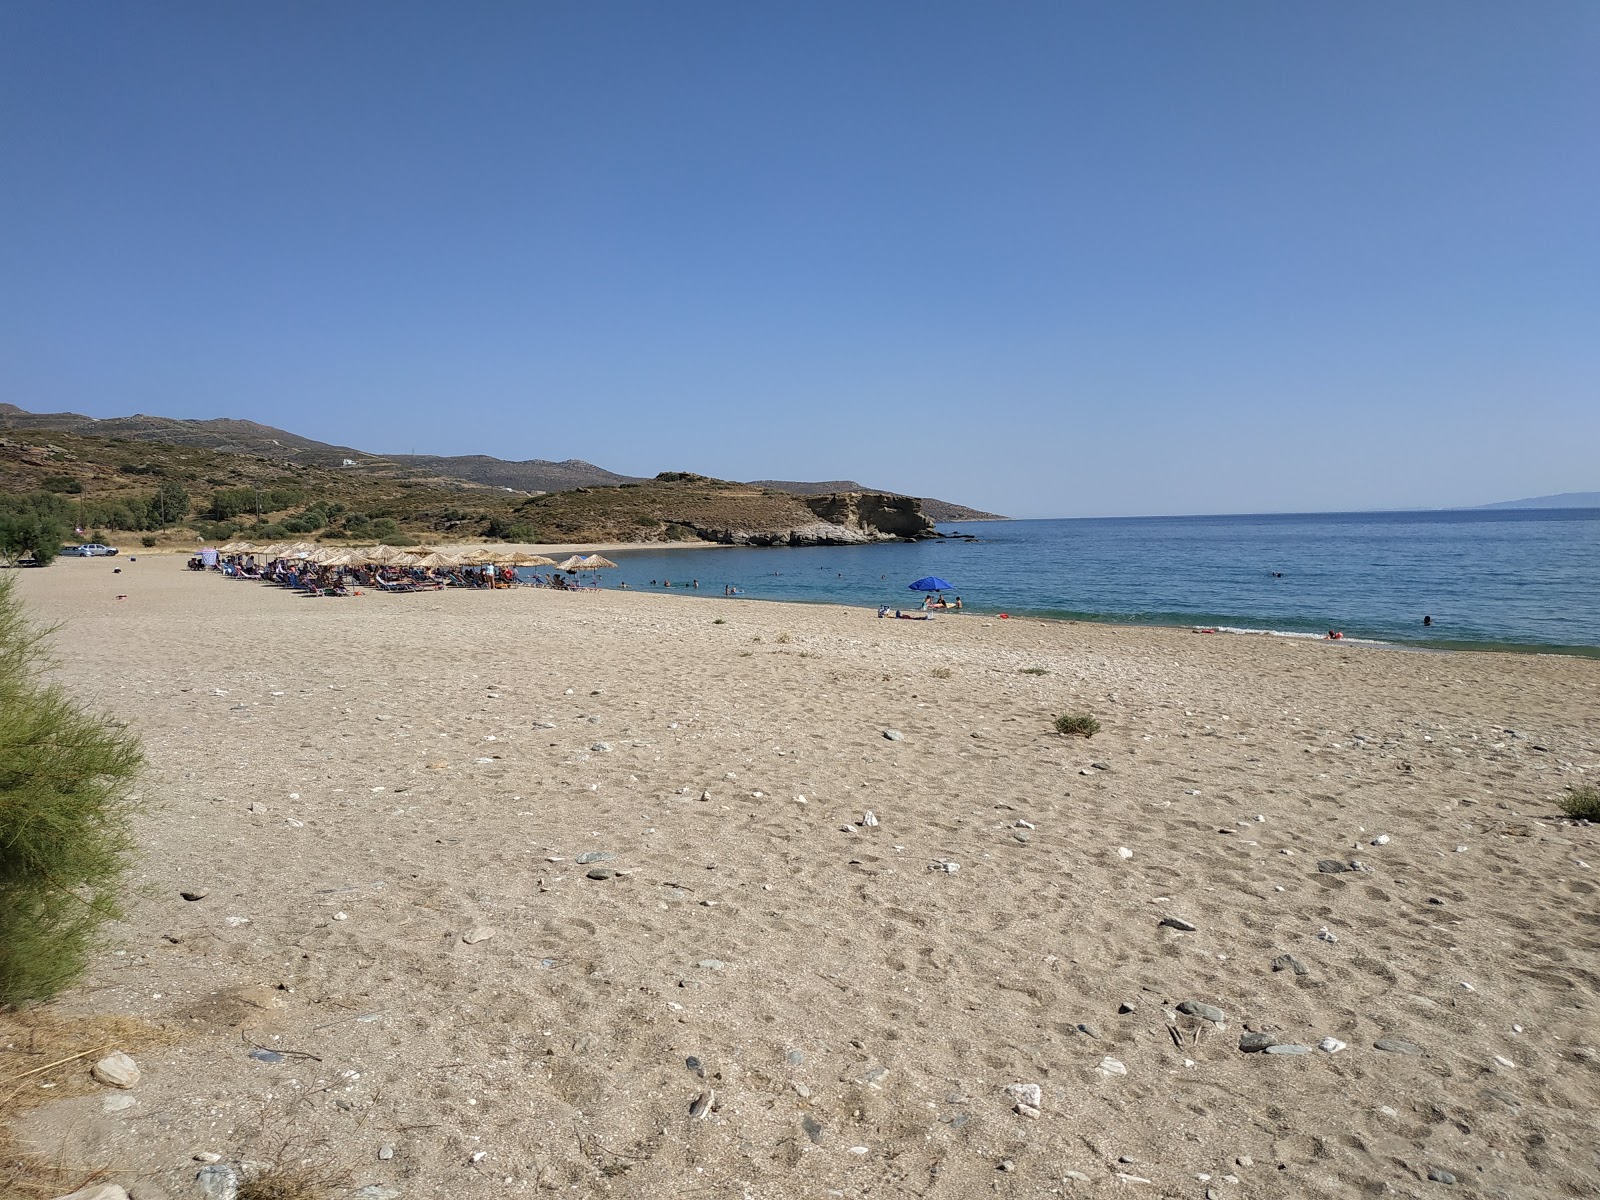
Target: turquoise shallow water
1503,578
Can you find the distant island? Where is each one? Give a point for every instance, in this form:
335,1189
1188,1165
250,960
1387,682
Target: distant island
1559,500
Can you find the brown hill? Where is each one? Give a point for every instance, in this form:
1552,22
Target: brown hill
527,475
231,436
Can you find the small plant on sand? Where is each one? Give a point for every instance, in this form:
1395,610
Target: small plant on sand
942,672
1582,803
65,819
1077,725
782,639
1035,670
719,621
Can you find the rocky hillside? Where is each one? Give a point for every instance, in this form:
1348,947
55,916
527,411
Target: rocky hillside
680,506
937,510
177,494
279,445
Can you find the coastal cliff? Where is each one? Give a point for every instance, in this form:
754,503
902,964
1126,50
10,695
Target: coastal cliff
843,519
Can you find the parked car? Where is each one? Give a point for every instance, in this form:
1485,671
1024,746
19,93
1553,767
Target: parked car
92,550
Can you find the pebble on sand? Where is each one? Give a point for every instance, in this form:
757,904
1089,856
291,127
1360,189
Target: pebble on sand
1209,1012
1397,1046
1177,923
116,1070
478,933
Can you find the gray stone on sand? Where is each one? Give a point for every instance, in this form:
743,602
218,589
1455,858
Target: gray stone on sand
1177,923
894,735
1331,866
599,873
1287,1048
593,856
701,1107
218,1182
1209,1012
1288,962
1254,1043
1397,1046
478,933
1026,1093
1440,1175
1090,1030
385,1152
813,1129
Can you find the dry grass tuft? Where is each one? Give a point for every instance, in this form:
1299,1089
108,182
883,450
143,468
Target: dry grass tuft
66,1047
304,1182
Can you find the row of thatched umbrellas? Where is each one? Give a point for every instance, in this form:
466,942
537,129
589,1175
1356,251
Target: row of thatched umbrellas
421,556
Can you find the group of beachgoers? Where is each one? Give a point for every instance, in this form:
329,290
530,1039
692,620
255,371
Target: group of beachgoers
348,579
923,611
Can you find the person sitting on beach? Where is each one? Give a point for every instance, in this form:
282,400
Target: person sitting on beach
883,611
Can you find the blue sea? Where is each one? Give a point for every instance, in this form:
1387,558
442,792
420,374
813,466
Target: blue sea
1488,578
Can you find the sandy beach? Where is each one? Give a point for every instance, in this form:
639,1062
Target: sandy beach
387,801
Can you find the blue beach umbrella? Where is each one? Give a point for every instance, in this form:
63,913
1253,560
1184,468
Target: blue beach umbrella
932,583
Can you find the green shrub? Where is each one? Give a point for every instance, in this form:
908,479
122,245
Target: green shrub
1077,725
65,818
1582,803
1035,670
148,540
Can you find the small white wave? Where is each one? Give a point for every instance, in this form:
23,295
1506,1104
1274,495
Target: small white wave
1290,633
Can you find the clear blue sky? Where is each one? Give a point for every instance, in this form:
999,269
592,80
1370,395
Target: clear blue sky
1047,258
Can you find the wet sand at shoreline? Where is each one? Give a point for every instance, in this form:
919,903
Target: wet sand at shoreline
357,783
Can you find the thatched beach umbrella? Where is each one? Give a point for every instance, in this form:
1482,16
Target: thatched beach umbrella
380,553
523,559
593,562
438,558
